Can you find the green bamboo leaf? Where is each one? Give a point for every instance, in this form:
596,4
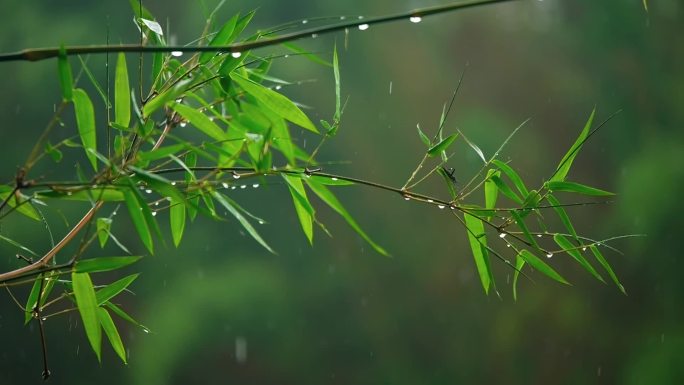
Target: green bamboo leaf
572,250
66,80
32,300
338,102
226,202
560,211
24,206
111,333
576,188
222,38
521,223
475,148
85,120
541,266
449,180
606,266
200,121
122,93
94,82
136,212
87,307
162,152
478,245
177,219
442,145
569,157
503,187
307,54
54,152
118,311
645,2
113,289
274,101
491,191
106,194
103,228
96,265
331,200
423,138
302,205
170,94
19,245
519,264
513,176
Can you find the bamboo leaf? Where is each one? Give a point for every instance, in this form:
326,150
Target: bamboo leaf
200,121
519,264
478,242
513,176
442,145
106,194
577,188
274,101
177,219
85,120
336,73
565,219
331,200
571,249
66,80
302,205
229,205
96,265
103,227
599,257
113,289
569,157
491,191
423,138
136,212
111,332
541,266
122,93
222,37
503,187
521,223
24,205
32,299
87,307
118,311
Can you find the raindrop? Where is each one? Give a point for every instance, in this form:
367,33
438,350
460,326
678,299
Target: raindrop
333,178
236,54
286,56
241,350
255,185
508,245
360,17
314,35
236,176
69,193
173,183
156,203
584,249
441,206
539,235
407,198
390,90
261,222
154,213
43,319
549,255
148,191
278,87
363,27
183,123
415,19
244,186
146,330
305,21
233,187
224,184
342,17
502,235
177,53
430,201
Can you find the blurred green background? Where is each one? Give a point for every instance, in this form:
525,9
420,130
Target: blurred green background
337,313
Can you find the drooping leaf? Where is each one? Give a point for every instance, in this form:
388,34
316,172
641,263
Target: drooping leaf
478,241
577,188
521,223
442,145
32,300
66,80
541,266
302,205
87,307
19,202
274,101
565,219
336,73
85,120
513,176
230,206
103,227
106,194
118,311
122,93
177,219
200,121
111,332
96,265
221,38
423,138
136,212
491,191
331,200
519,264
572,250
113,289
505,190
602,260
19,245
569,157
475,148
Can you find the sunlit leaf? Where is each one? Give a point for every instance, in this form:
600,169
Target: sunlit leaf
118,311
572,250
113,289
85,120
504,189
227,203
302,206
87,307
541,266
569,157
423,138
331,200
521,223
95,265
599,257
221,38
475,148
478,242
513,176
565,219
577,188
200,121
111,332
23,206
274,101
105,194
122,93
442,145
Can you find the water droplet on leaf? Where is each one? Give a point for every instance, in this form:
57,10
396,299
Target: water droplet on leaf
236,54
363,27
177,53
415,19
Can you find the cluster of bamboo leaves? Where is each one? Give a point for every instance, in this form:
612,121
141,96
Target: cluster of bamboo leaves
214,120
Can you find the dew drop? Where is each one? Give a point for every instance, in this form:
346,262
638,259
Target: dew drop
314,35
584,249
305,21
255,185
363,27
508,245
342,17
430,201
333,178
236,54
146,330
233,187
441,207
502,235
154,213
261,222
236,176
539,235
278,87
415,19
244,186
360,17
156,203
224,184
183,123
177,53
549,255
173,183
286,56
69,193
148,191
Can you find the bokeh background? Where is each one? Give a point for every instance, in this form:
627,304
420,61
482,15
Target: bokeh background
338,313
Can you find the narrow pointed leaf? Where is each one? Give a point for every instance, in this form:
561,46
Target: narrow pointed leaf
85,120
113,289
519,264
200,121
302,205
274,101
103,227
599,257
177,219
226,202
475,148
577,188
118,311
87,307
221,38
111,332
478,241
336,72
505,190
24,205
521,223
541,266
138,218
32,300
565,219
572,250
331,200
569,157
442,145
423,138
122,93
491,191
95,265
513,176
66,80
